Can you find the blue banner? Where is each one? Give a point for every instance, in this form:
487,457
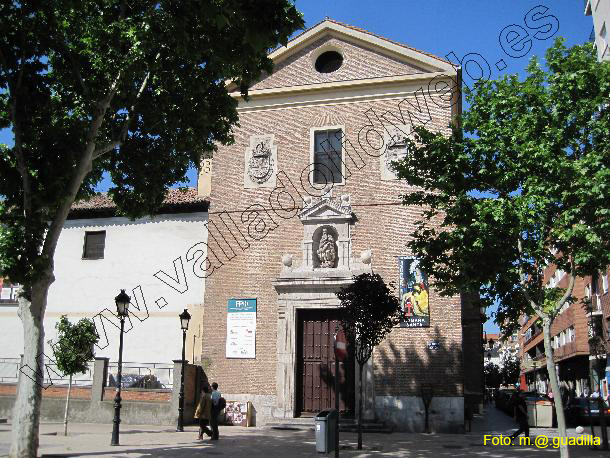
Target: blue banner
241,305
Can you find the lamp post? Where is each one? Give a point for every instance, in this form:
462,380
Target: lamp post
122,308
184,324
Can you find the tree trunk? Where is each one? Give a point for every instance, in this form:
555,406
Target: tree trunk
26,412
360,367
550,366
67,406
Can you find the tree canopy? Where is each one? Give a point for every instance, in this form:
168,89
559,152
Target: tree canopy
522,182
369,309
75,345
134,89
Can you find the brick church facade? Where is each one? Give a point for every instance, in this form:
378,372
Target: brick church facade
306,198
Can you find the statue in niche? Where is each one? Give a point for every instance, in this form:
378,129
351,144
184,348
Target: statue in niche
326,249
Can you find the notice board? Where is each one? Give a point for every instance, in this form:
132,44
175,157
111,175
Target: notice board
241,328
238,413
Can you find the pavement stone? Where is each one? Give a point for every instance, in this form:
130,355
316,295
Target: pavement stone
92,440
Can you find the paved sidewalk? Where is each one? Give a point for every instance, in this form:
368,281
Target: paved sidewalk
157,441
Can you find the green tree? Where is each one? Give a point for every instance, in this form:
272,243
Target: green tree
493,379
369,309
74,348
522,182
511,369
135,89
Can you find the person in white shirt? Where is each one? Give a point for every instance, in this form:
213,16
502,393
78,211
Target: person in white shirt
216,395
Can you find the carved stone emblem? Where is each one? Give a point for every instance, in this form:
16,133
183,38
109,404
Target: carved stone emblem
395,150
327,253
261,162
260,166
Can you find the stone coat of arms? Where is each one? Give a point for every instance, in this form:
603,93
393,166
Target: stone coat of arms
260,165
395,150
261,162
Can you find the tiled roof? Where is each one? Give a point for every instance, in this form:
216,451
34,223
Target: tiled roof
176,200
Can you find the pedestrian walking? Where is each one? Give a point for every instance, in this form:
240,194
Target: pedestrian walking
520,409
216,408
204,412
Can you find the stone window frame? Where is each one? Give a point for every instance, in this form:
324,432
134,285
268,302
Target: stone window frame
312,132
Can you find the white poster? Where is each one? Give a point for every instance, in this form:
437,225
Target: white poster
241,328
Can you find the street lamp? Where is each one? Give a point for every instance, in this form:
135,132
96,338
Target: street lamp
122,308
184,324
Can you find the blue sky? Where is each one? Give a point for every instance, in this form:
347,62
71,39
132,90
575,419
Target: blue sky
460,26
442,27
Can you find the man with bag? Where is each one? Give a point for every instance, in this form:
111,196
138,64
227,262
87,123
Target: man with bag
218,404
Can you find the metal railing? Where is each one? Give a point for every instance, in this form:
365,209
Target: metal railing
142,375
9,373
9,370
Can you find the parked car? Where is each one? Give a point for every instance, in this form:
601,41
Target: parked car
136,381
584,411
533,396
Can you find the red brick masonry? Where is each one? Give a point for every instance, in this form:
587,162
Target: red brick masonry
85,393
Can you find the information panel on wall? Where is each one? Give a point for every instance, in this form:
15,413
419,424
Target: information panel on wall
241,328
414,292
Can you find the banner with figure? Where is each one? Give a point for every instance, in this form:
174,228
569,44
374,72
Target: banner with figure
414,294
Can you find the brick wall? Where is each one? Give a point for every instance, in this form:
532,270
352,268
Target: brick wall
85,393
50,392
403,361
128,394
359,63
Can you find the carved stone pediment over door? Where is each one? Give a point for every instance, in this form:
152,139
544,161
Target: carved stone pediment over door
327,224
327,266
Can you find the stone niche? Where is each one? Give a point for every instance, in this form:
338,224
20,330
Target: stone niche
327,223
327,241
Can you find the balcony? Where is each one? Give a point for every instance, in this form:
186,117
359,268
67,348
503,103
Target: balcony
587,5
565,350
529,364
596,305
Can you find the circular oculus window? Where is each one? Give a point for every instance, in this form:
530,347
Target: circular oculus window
328,62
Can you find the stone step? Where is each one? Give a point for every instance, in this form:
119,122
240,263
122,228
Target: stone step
366,428
303,423
370,426
345,424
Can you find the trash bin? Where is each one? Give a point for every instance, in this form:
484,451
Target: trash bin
325,430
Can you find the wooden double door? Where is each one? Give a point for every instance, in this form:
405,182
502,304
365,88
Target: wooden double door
316,364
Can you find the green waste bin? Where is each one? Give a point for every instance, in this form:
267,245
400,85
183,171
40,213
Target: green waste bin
325,430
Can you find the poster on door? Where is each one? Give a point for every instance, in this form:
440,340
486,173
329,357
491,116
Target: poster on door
241,328
414,294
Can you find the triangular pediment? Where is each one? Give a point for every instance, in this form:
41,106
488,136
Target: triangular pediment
365,56
326,209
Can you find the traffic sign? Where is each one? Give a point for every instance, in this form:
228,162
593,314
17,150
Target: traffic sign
340,346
